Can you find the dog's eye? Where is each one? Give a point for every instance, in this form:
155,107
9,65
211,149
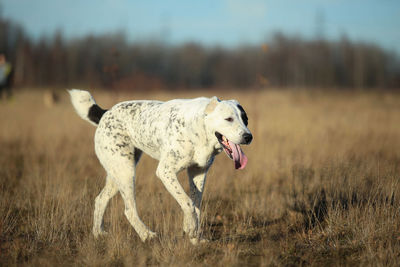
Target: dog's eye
230,119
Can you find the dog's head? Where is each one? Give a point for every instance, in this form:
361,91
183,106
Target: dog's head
228,121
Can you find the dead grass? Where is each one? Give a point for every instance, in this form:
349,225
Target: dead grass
321,187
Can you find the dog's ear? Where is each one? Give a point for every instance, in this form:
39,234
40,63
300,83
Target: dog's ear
211,106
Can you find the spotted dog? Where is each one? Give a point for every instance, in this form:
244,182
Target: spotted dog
181,134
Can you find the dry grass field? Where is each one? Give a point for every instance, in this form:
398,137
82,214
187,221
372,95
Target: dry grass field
322,187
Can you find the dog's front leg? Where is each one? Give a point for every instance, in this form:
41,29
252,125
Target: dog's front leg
190,221
197,179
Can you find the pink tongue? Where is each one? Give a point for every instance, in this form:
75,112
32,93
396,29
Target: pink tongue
239,157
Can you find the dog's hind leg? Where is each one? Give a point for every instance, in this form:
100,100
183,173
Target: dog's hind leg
119,160
100,206
124,173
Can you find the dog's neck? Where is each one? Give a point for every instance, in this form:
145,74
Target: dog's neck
205,143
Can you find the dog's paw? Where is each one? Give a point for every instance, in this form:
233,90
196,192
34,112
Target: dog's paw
151,235
148,236
98,234
197,240
190,225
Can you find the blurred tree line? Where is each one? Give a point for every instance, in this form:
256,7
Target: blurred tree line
111,61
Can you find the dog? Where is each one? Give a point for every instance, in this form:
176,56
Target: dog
180,134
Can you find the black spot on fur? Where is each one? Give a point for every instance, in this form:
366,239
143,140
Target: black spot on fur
95,113
243,115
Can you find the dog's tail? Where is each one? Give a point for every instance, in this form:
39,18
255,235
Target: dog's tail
85,106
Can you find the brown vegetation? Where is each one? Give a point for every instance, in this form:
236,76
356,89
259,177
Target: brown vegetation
321,187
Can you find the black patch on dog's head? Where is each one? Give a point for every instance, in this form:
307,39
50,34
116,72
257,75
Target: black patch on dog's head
243,115
95,113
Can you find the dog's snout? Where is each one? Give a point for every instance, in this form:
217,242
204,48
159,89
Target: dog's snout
247,138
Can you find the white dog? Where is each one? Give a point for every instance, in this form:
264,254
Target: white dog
181,134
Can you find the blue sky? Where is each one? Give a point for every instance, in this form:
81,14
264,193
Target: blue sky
224,22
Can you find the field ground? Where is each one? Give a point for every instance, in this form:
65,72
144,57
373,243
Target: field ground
321,187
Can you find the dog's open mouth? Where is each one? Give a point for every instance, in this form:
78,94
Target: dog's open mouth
233,151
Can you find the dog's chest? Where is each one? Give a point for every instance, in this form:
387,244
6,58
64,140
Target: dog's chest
203,156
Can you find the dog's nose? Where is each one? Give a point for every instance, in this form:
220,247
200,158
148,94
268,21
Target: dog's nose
247,138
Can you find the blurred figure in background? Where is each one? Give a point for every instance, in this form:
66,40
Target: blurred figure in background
6,72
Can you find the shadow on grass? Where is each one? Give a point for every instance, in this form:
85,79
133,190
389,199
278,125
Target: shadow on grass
314,207
252,233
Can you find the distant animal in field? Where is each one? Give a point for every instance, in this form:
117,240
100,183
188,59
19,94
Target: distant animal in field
181,134
6,77
50,98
